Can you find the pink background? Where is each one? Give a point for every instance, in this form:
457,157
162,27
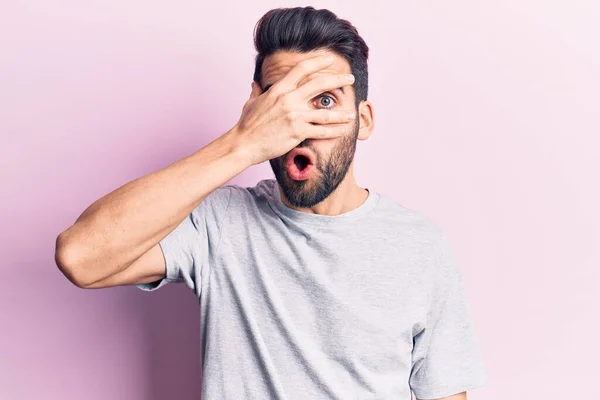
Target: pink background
487,121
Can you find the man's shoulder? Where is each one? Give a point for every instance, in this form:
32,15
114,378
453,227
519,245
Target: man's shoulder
416,231
264,188
395,214
243,196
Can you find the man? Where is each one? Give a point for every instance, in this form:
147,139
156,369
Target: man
310,287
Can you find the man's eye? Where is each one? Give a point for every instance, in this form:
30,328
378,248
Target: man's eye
326,101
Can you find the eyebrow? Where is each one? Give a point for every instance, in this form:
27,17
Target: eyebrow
340,89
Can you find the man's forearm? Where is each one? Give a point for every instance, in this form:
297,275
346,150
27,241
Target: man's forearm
118,228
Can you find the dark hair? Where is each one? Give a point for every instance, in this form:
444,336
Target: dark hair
305,29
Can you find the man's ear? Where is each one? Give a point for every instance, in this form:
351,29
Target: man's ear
367,119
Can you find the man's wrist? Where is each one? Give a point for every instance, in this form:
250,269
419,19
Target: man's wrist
238,152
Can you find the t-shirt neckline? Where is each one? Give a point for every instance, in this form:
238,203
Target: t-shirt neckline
318,219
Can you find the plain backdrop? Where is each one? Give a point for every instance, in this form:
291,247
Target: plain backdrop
487,121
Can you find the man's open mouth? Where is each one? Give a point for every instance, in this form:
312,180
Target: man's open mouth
299,163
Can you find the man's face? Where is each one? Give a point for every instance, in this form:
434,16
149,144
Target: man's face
332,157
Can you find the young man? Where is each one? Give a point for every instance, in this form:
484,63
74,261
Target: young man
310,286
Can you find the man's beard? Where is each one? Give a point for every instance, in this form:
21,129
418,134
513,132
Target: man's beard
325,177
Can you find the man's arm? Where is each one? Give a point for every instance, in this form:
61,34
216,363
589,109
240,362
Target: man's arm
116,240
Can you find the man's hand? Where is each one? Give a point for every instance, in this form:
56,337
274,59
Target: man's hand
274,122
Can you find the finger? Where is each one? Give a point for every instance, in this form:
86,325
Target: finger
326,131
256,90
324,83
301,70
327,116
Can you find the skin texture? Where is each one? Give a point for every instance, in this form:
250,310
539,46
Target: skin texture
331,188
332,159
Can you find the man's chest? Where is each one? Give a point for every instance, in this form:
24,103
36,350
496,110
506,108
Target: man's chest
346,290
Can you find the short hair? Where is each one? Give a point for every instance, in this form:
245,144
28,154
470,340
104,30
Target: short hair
304,29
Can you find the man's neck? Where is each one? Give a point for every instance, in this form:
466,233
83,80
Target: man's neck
346,197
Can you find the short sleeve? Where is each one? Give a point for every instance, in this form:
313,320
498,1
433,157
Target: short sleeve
189,248
446,354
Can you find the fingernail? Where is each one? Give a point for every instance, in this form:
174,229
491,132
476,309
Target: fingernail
329,58
350,115
350,78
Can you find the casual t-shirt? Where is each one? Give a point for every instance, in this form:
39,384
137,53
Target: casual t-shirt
368,304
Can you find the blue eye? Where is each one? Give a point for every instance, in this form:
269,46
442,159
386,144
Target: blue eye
326,101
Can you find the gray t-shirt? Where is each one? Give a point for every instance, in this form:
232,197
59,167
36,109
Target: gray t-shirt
364,305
